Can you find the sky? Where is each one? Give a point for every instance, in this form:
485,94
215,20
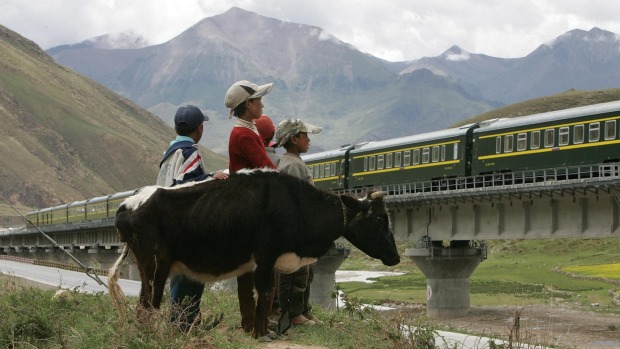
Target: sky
394,30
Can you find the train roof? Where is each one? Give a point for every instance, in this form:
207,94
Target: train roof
422,137
325,154
593,109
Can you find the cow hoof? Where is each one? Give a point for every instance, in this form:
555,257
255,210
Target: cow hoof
264,339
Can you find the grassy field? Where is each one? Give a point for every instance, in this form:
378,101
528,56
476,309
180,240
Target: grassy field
516,272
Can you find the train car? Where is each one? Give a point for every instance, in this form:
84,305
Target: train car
58,215
424,157
32,219
115,201
97,208
76,212
572,137
328,168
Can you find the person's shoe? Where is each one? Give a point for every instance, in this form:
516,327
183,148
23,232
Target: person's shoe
311,317
272,325
301,320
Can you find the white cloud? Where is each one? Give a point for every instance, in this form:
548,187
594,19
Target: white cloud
390,29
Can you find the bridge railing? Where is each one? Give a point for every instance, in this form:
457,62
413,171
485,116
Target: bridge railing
528,180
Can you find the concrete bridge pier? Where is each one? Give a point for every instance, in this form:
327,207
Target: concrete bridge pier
447,271
323,285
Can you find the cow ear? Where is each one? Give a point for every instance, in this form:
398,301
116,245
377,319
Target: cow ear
350,202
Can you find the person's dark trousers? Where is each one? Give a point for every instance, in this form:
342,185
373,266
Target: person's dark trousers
298,282
247,305
307,305
185,297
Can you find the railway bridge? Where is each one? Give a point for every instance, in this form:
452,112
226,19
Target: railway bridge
447,222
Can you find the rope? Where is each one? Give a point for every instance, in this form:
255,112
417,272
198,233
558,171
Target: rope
89,271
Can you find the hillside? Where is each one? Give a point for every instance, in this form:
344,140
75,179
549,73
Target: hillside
565,100
65,137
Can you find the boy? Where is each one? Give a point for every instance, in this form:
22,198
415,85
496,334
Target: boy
246,150
294,289
182,162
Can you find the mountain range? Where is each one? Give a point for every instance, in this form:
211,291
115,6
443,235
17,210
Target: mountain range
317,77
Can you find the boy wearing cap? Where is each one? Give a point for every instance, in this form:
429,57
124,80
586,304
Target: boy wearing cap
294,289
246,150
182,162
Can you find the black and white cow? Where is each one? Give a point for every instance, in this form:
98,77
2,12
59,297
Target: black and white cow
252,221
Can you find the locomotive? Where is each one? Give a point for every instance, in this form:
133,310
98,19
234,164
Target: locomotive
568,138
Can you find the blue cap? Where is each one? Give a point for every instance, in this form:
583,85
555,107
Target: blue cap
188,118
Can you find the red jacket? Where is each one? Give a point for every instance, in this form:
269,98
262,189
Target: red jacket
246,150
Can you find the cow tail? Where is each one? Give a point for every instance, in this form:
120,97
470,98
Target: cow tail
116,293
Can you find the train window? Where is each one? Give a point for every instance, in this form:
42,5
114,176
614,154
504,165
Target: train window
594,132
321,171
371,163
535,140
563,138
435,154
426,155
397,159
388,160
456,151
498,145
365,164
521,141
443,153
380,161
578,134
315,171
327,169
549,138
508,143
416,156
334,165
406,158
610,129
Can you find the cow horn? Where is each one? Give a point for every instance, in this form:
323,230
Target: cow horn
377,195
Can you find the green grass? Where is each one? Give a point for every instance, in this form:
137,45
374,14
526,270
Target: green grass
515,273
31,318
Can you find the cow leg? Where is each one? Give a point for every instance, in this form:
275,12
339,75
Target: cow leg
247,305
152,289
263,280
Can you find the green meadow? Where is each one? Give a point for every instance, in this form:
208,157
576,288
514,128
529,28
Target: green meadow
515,273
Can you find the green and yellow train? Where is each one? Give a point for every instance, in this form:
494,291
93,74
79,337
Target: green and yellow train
567,138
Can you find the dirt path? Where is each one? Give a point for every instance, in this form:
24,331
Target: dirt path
544,324
557,326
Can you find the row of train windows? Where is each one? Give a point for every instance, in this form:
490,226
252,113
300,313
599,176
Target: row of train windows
323,170
579,132
407,157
